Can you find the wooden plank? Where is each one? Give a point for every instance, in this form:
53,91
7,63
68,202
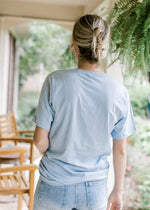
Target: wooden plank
3,117
25,180
5,124
18,179
8,126
6,135
5,121
31,192
8,129
13,150
29,167
2,121
23,184
6,183
1,186
14,123
26,131
19,201
26,199
13,181
13,191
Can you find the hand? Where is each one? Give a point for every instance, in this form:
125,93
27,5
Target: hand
114,201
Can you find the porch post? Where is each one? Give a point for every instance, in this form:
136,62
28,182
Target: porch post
11,77
4,65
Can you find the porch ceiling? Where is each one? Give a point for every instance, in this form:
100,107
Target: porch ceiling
57,10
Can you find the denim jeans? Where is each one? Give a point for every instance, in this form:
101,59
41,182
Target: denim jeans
90,195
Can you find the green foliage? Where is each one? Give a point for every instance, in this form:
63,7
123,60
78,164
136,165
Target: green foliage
139,99
130,33
140,170
141,139
142,175
139,92
139,89
48,45
69,59
26,110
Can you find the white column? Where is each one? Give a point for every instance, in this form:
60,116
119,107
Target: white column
6,26
116,71
16,84
4,65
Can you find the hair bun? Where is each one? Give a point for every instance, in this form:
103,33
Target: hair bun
96,45
88,33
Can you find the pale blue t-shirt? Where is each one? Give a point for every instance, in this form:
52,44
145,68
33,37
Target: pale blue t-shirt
82,110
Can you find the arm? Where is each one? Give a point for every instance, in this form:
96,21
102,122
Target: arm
119,161
40,139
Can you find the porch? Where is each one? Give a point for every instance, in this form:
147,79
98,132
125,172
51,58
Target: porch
15,17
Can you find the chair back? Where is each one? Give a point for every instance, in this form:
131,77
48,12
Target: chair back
8,126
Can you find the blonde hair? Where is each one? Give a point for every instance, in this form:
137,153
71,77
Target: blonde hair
89,33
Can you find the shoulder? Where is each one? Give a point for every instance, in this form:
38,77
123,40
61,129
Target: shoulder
117,93
61,77
116,87
60,74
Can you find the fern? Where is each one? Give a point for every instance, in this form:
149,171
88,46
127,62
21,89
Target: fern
130,33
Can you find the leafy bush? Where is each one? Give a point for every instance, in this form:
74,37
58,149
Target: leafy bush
141,139
26,109
139,99
47,44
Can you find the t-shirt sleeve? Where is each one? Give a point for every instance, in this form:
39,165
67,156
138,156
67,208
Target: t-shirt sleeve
125,125
44,114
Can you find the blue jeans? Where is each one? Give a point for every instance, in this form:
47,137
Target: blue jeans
91,195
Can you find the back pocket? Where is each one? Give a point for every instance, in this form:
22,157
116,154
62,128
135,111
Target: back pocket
51,197
97,194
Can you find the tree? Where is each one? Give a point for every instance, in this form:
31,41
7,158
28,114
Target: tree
47,44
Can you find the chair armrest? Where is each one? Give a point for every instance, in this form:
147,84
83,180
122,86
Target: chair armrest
20,168
24,139
12,151
25,131
19,139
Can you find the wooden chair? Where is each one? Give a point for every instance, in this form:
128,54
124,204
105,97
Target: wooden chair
9,133
16,183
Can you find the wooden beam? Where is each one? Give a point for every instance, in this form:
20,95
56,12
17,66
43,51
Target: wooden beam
39,10
92,5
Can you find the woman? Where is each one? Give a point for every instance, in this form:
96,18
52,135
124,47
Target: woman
79,111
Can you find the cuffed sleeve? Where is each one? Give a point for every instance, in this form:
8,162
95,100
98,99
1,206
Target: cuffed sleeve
125,126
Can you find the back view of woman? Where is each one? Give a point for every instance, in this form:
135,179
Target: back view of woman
79,110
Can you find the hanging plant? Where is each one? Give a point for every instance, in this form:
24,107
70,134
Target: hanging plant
130,33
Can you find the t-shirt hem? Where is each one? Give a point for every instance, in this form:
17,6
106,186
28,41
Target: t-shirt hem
104,175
